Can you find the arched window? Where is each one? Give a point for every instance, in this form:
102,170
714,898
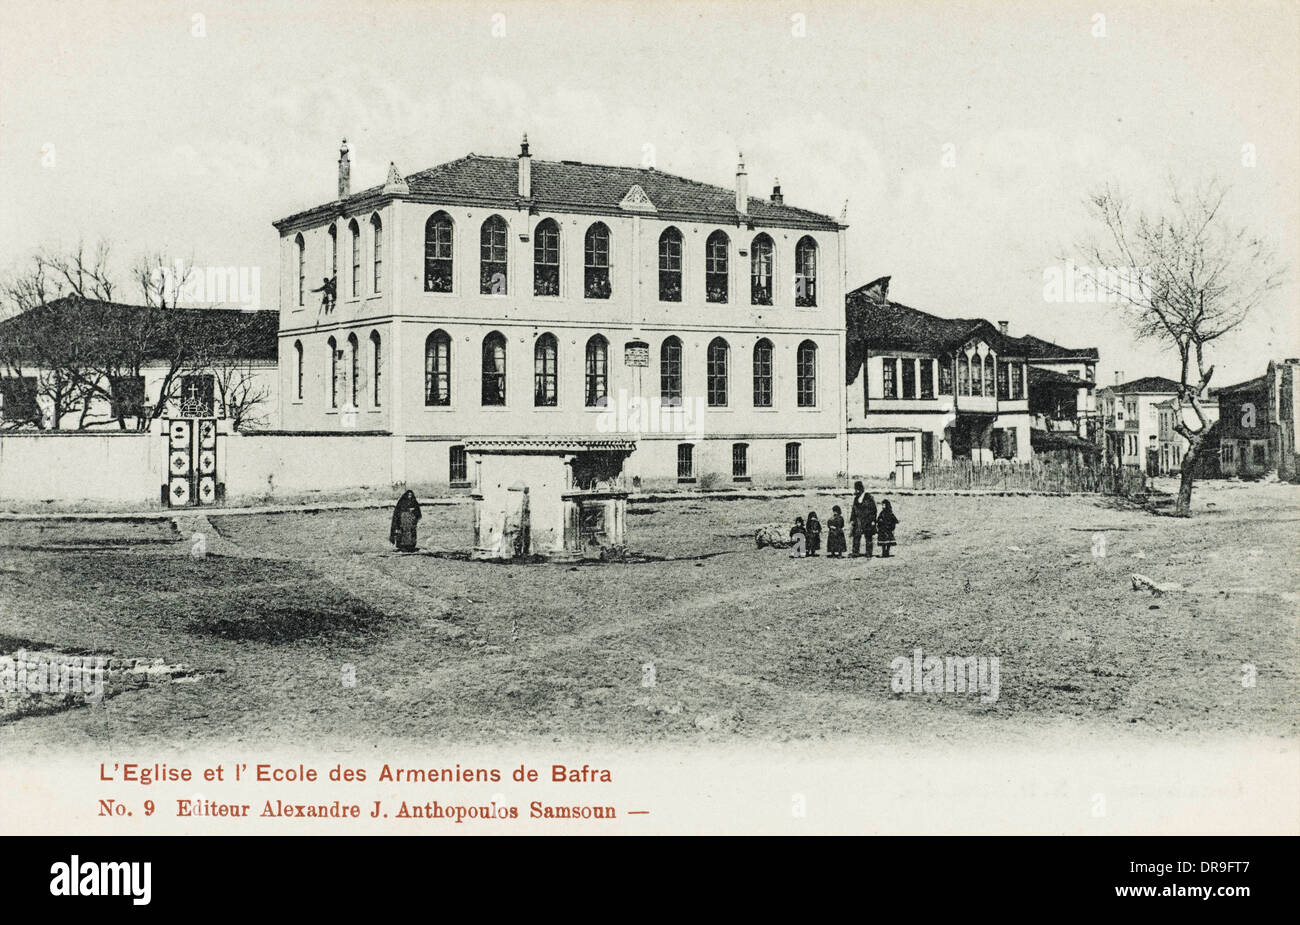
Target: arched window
438,242
760,270
354,371
763,374
718,358
546,258
494,369
596,262
597,372
988,375
546,371
806,374
332,267
717,274
670,265
377,252
300,251
963,374
670,372
437,369
297,368
355,230
805,272
493,254
376,369
334,372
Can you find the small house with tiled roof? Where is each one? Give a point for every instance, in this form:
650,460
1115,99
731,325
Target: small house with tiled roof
514,297
116,356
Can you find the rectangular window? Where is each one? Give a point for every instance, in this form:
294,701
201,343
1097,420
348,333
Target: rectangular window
945,377
18,399
1004,387
1259,456
793,461
927,378
909,378
456,465
740,461
685,462
1016,389
889,370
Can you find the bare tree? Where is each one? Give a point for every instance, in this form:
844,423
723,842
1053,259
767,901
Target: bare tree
41,342
244,399
1202,276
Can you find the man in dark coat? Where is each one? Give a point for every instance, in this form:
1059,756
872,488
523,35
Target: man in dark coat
862,519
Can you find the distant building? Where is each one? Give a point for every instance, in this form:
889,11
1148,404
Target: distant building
1258,423
237,379
1131,418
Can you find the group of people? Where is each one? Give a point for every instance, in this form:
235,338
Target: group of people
865,523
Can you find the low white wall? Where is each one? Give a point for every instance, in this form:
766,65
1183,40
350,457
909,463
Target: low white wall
275,465
79,466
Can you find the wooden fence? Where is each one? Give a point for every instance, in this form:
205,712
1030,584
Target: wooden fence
1036,476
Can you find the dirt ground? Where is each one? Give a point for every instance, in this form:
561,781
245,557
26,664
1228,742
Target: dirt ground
310,628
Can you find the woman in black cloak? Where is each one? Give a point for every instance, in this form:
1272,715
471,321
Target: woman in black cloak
405,518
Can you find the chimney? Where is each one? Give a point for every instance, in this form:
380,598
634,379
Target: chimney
742,187
345,172
777,198
525,170
1003,326
1119,377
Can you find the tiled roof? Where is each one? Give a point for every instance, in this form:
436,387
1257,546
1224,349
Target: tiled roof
1250,385
1156,384
1040,376
246,335
1038,349
573,186
876,323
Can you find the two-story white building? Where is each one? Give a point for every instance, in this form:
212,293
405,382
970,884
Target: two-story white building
513,298
1131,416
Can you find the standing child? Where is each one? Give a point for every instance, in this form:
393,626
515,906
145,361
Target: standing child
798,539
814,530
835,545
885,525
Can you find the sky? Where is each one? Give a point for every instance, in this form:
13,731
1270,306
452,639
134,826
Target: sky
963,136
